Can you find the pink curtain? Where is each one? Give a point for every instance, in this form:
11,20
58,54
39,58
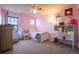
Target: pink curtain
4,14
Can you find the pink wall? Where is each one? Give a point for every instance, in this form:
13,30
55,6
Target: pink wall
23,21
42,24
42,20
67,18
74,16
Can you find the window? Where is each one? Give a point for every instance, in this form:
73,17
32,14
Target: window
13,21
32,22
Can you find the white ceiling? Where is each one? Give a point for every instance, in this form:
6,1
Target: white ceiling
20,8
27,8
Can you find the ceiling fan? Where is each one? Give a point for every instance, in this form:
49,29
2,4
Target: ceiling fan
36,8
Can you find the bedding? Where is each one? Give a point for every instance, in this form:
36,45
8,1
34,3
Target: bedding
33,34
15,37
46,36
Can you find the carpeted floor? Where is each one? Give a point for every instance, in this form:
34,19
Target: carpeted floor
33,47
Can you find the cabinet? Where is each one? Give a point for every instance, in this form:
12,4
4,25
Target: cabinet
5,37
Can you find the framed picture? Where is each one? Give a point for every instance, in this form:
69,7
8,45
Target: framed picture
61,23
70,28
56,28
69,12
61,28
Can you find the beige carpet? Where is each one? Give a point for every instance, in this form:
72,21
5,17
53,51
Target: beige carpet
33,47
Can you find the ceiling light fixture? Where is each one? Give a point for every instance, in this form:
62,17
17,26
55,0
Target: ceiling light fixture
36,8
